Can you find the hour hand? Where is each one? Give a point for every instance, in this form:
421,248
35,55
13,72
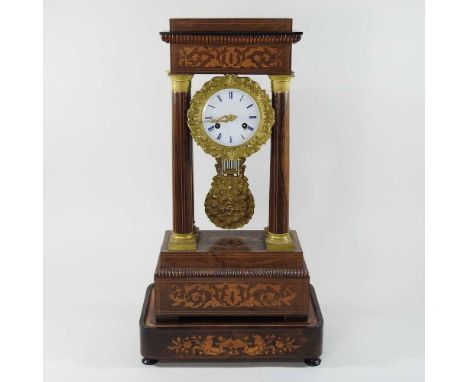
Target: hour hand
224,118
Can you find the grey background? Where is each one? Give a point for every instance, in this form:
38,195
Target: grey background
357,182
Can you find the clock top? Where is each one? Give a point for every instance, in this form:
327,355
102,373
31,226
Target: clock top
239,45
241,27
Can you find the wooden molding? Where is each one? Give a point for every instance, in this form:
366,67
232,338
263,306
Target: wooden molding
232,272
226,38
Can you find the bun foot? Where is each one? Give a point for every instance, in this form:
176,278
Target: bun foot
149,361
313,362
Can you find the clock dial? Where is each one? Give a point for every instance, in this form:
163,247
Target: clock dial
231,117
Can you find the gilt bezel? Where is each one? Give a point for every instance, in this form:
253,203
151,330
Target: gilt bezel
259,138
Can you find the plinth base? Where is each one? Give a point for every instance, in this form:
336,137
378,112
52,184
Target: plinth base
231,273
194,339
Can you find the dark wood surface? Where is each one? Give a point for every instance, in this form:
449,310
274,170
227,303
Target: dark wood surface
228,249
232,249
182,165
279,166
230,340
231,25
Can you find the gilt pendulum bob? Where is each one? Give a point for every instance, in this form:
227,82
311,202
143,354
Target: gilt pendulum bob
229,203
230,294
230,118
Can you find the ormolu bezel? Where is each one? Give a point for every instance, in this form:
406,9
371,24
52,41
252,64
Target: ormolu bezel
195,122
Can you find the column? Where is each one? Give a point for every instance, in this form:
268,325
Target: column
183,237
278,237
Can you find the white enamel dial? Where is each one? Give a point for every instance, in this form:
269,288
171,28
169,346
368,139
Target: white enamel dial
231,117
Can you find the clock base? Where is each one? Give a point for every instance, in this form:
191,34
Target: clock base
226,339
231,273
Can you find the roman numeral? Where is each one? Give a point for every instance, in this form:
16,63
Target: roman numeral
211,128
219,136
211,106
219,97
250,105
231,94
252,116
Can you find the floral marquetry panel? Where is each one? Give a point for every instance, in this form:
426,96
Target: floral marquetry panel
249,345
232,298
226,59
232,295
230,56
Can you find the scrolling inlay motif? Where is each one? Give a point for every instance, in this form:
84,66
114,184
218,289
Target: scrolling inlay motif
251,345
230,56
227,295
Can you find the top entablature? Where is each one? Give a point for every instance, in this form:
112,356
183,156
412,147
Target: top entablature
231,46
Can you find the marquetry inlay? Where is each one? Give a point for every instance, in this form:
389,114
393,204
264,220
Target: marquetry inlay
231,295
250,345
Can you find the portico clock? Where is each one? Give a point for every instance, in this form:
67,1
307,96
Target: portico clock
230,294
